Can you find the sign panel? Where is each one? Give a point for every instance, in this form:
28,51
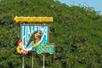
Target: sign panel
33,19
34,38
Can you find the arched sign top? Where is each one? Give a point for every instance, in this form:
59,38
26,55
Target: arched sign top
33,19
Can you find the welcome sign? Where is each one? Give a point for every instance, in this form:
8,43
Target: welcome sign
35,38
28,35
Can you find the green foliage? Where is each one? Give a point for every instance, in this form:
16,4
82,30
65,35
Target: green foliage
78,30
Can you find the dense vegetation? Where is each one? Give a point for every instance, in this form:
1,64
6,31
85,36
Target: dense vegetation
76,32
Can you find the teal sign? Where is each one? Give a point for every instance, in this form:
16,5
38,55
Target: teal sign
35,38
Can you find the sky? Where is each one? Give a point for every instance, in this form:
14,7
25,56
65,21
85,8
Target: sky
95,4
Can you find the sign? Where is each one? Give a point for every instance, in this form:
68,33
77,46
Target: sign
33,19
34,38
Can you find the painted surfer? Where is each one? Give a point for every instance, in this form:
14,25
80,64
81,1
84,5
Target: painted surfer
37,36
